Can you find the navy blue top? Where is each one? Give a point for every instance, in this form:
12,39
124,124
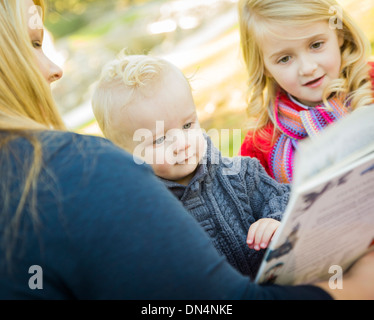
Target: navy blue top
109,229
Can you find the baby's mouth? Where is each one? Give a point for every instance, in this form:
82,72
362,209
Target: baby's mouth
185,158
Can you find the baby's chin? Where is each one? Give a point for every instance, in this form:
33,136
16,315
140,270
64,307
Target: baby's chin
186,179
182,173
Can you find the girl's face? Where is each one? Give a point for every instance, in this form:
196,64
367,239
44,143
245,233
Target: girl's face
49,70
305,65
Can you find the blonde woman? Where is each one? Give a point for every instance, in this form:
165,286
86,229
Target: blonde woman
80,220
307,63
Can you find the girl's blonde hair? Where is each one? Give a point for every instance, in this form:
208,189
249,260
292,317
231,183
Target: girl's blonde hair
254,18
26,105
127,75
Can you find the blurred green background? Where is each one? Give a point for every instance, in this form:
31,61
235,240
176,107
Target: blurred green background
199,36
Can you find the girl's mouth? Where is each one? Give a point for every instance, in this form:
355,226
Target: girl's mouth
314,83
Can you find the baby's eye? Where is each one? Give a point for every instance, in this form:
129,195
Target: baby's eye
159,140
284,59
317,45
187,125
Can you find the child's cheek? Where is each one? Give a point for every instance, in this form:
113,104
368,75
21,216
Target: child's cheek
159,157
161,161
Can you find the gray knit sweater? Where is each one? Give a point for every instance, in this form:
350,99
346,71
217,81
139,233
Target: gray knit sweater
226,196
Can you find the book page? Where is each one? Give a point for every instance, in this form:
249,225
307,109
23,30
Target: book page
330,223
330,217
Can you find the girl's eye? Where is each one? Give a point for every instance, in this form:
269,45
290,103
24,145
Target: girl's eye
36,44
284,59
159,140
317,45
187,126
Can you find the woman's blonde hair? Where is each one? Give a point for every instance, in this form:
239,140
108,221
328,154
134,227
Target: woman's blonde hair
26,106
25,96
127,75
255,15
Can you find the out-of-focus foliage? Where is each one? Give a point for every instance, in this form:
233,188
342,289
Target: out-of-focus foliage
199,36
67,16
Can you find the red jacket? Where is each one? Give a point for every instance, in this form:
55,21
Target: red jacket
260,146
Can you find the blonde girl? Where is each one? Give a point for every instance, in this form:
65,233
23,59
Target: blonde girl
307,63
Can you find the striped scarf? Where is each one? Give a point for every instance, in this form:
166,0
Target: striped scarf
295,126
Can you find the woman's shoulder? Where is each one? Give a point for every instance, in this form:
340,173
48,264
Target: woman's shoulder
60,144
95,158
55,140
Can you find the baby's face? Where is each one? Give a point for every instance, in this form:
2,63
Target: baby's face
165,130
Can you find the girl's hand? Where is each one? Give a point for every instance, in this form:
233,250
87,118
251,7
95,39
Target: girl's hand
261,232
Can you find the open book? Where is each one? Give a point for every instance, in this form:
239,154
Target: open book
329,220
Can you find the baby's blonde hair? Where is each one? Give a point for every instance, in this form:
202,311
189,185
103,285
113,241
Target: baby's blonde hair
255,16
128,75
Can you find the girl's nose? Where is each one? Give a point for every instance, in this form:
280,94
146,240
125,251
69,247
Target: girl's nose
307,66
